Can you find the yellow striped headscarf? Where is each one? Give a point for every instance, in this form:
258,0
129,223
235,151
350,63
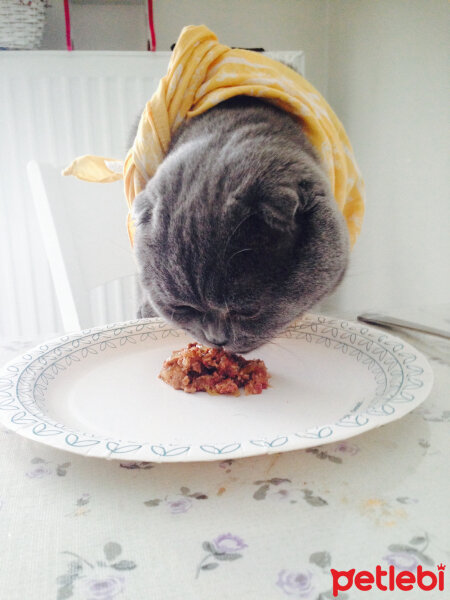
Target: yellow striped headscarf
201,74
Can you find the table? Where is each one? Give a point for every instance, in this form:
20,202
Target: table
269,527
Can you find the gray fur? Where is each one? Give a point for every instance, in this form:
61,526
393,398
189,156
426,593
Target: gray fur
239,227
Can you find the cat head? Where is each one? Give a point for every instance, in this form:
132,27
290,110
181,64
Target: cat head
232,253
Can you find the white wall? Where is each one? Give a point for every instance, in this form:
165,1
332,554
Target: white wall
97,27
389,83
274,25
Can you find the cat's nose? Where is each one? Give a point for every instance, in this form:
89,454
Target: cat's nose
214,330
216,340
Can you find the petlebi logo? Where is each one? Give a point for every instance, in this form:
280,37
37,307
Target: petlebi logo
389,580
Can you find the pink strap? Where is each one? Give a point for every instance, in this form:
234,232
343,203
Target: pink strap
67,18
150,23
151,26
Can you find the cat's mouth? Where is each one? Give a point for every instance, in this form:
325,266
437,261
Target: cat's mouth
243,349
234,347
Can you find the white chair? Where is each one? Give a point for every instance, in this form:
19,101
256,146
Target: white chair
83,227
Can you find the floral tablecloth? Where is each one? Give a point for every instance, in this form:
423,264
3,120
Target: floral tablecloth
256,528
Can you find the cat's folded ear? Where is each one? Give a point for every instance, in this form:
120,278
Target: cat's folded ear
142,208
277,206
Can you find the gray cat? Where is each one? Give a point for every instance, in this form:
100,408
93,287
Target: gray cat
238,233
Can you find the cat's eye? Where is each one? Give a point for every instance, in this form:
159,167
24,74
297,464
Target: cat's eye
184,309
245,313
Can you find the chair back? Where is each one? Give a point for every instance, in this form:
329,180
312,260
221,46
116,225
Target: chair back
83,227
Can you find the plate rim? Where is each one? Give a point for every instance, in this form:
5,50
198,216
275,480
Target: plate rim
27,424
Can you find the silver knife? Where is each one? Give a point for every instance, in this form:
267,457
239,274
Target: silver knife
377,319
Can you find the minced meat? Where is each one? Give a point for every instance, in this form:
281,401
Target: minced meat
198,368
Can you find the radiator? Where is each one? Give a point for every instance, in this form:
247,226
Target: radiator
55,106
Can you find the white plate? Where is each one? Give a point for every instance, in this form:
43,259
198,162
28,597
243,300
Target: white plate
96,392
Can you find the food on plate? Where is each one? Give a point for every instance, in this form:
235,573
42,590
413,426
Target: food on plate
198,368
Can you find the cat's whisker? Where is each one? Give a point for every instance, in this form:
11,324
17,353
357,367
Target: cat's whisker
238,252
236,228
233,333
355,274
278,345
284,349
